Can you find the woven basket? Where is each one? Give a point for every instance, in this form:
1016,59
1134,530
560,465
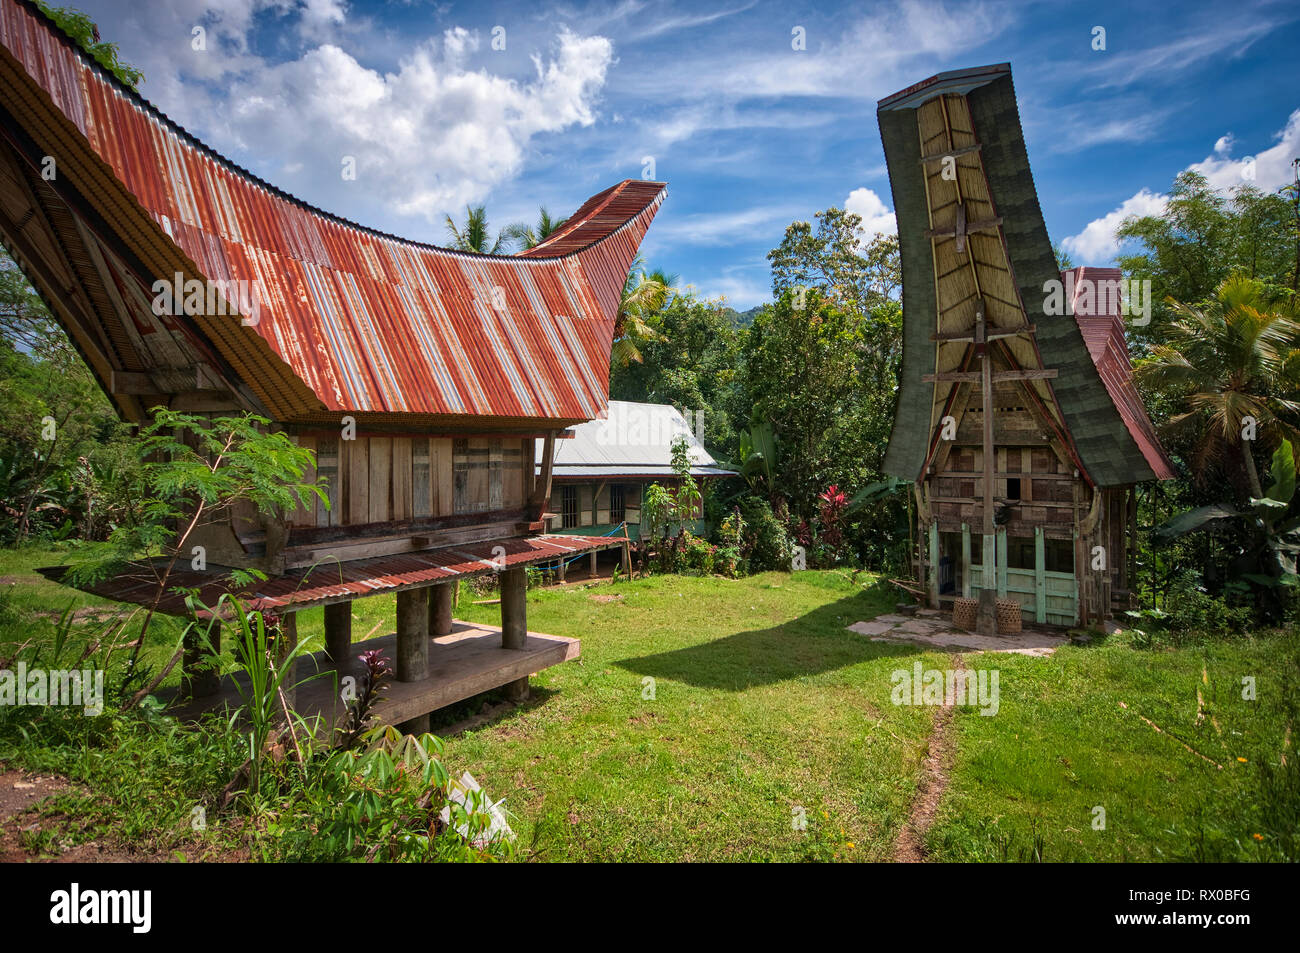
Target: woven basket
1008,615
964,612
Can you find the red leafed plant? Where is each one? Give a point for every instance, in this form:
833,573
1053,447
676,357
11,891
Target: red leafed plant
833,503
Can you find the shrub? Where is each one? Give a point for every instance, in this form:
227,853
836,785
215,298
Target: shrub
697,555
766,545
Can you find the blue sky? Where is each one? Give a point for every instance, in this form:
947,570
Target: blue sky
749,132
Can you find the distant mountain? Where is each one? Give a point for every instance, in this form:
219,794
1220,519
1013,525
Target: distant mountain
742,319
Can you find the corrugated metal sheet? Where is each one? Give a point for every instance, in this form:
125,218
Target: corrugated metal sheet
369,322
618,473
340,582
634,439
1102,325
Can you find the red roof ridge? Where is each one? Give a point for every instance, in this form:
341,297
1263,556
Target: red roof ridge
599,217
1104,336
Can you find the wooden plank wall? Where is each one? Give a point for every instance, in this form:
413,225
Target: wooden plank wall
379,479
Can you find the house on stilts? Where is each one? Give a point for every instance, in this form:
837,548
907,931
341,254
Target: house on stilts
600,476
1017,419
431,384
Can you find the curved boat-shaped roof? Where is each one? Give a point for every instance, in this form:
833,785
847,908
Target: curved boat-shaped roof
337,318
971,235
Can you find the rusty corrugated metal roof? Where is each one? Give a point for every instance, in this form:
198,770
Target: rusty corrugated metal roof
370,323
329,582
1102,326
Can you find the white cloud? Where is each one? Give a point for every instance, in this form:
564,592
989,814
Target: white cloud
1269,170
724,228
1096,243
863,60
876,216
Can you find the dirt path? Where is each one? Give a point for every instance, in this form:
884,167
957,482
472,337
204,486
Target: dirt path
909,848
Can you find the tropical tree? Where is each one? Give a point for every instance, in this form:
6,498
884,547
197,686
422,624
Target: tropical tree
644,295
1233,366
475,235
83,30
530,236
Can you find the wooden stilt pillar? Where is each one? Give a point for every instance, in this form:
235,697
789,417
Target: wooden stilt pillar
986,620
593,564
440,609
413,647
338,631
1040,577
514,622
627,559
934,565
200,675
965,560
561,570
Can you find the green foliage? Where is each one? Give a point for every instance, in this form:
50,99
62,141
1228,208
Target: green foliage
82,29
65,460
193,470
268,670
475,235
1203,236
527,236
1192,614
731,536
383,804
766,544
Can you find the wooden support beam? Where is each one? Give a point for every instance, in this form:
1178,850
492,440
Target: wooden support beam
950,154
412,634
412,647
1040,577
542,489
934,565
440,609
998,377
986,619
514,621
1002,562
338,631
994,334
962,228
965,560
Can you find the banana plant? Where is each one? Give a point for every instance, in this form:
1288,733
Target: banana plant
1279,536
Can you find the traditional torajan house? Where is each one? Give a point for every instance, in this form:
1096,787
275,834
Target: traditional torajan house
432,384
600,475
1018,421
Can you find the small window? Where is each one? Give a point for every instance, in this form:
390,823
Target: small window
1013,488
568,507
617,504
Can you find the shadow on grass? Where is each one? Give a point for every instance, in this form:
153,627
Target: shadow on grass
808,645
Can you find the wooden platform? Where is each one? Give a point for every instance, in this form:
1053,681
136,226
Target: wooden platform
465,663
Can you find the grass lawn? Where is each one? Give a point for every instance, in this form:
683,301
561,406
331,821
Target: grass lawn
706,716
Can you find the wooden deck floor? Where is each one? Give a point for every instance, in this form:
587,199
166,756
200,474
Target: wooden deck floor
465,663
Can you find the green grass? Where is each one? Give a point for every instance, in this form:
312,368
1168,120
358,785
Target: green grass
1027,782
764,706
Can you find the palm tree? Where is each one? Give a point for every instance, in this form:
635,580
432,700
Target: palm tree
1236,356
530,236
475,235
643,296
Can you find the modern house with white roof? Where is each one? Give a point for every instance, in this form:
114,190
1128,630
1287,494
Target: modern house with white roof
601,472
